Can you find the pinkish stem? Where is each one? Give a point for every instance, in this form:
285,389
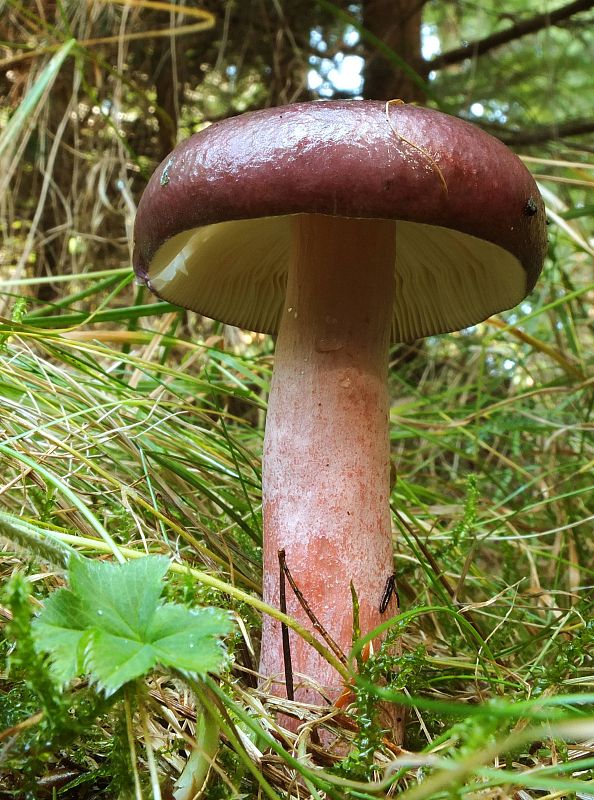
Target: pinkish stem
326,451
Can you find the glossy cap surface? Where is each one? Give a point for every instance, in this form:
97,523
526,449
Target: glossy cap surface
213,229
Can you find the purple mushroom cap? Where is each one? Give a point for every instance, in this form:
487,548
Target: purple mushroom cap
212,231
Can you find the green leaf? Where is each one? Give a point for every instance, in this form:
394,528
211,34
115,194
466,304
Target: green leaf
58,631
186,639
112,661
121,598
112,625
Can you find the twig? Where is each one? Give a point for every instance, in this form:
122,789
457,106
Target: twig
307,608
531,25
285,630
428,156
544,133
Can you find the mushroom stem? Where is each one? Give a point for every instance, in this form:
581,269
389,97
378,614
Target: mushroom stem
326,450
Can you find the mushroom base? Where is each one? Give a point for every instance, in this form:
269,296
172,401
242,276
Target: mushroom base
326,468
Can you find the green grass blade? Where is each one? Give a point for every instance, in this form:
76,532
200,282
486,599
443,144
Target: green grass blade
67,491
27,108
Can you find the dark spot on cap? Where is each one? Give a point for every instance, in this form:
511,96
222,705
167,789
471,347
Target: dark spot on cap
530,208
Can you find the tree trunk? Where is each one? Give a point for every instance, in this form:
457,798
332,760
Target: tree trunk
398,24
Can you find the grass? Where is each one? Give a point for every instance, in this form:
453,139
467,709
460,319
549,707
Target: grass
142,434
129,427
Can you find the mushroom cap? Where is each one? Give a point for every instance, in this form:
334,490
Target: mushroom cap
213,229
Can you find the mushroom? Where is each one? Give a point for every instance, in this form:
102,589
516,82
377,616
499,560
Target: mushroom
339,226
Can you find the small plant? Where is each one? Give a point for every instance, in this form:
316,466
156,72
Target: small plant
112,626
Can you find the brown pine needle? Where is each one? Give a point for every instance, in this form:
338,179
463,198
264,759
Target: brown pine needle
434,165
